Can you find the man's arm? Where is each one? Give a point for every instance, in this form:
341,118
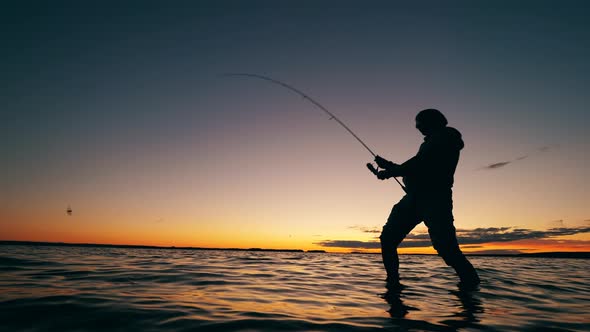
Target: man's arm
391,169
384,163
428,156
408,166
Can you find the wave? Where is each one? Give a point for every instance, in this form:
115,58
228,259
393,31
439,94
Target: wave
97,289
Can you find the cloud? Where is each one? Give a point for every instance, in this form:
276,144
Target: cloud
497,165
505,234
497,252
501,164
548,148
349,244
366,229
466,237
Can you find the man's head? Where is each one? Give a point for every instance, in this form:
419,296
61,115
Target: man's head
430,121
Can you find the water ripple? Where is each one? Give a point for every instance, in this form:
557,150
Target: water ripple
96,289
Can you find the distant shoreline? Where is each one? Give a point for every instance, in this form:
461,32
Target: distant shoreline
576,254
139,246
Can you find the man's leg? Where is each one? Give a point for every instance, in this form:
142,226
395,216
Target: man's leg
437,210
401,221
444,239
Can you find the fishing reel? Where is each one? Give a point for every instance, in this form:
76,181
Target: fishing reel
375,170
372,168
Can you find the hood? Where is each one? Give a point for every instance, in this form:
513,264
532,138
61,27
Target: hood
454,137
448,135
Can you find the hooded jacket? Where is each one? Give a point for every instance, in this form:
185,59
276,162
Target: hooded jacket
432,169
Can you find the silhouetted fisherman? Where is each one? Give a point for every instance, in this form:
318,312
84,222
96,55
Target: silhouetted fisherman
428,178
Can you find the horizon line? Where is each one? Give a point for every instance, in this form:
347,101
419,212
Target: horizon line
546,254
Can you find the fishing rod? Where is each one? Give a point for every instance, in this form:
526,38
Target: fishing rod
318,105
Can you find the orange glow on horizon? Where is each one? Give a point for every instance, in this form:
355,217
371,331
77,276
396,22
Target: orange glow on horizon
523,246
186,233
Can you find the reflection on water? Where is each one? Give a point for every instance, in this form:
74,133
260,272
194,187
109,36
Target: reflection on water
465,316
95,289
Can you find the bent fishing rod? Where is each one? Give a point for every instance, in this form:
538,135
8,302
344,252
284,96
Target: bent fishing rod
318,105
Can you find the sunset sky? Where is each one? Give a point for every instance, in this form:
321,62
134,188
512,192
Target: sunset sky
120,111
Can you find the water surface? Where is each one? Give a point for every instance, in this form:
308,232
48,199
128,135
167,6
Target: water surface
47,288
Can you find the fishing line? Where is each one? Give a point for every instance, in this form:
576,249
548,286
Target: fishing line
318,105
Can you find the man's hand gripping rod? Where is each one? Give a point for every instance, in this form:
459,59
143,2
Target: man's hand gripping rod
372,168
376,172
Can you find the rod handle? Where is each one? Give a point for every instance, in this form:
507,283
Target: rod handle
372,168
